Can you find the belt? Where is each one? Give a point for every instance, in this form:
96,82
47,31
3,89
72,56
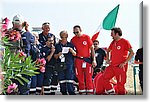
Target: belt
86,59
79,57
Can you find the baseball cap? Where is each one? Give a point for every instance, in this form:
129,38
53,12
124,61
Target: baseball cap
18,19
45,23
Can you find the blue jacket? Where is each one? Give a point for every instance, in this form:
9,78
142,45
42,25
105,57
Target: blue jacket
43,39
45,52
27,39
36,51
69,58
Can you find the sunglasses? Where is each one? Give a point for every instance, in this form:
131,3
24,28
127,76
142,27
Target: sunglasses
50,40
75,32
63,37
95,44
17,22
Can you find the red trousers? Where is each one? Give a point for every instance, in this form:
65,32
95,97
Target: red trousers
84,76
120,74
98,84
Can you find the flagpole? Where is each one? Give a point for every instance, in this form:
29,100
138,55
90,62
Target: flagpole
98,28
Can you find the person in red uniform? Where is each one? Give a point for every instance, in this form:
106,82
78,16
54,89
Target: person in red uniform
99,84
118,55
83,64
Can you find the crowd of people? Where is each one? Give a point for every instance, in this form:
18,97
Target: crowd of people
78,61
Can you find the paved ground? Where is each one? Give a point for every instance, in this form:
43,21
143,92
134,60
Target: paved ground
129,84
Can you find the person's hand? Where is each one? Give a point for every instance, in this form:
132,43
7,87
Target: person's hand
94,64
108,62
52,49
25,24
59,54
122,65
71,50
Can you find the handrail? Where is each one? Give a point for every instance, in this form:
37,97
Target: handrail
134,74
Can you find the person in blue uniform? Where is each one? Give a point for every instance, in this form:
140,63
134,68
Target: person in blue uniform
48,54
65,54
45,33
37,80
25,45
42,39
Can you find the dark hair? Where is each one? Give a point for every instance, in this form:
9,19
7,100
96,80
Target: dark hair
49,37
95,41
46,23
117,30
77,26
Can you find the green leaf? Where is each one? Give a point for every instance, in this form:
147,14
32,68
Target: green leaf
24,79
19,81
27,61
18,75
28,73
16,65
8,63
36,72
33,68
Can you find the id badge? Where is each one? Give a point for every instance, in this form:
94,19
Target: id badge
96,54
84,65
63,59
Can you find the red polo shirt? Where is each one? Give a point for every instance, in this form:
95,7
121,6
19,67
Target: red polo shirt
82,45
119,51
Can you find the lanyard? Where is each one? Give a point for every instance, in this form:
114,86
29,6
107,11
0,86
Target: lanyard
44,38
61,45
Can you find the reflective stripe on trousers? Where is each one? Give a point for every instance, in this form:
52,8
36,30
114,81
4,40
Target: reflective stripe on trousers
66,81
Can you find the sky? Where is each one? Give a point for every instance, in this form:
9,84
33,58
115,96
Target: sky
128,20
89,14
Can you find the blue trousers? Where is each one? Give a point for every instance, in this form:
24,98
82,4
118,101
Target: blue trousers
23,89
36,83
54,83
47,80
66,78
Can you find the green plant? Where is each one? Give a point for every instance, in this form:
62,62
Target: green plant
14,66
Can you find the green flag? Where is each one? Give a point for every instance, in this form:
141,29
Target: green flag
110,20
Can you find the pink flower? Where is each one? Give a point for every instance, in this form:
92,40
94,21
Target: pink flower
7,20
11,88
4,26
12,37
22,54
38,61
43,61
3,34
17,36
5,23
42,69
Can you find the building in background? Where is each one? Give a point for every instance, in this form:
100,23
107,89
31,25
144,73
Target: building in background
37,29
